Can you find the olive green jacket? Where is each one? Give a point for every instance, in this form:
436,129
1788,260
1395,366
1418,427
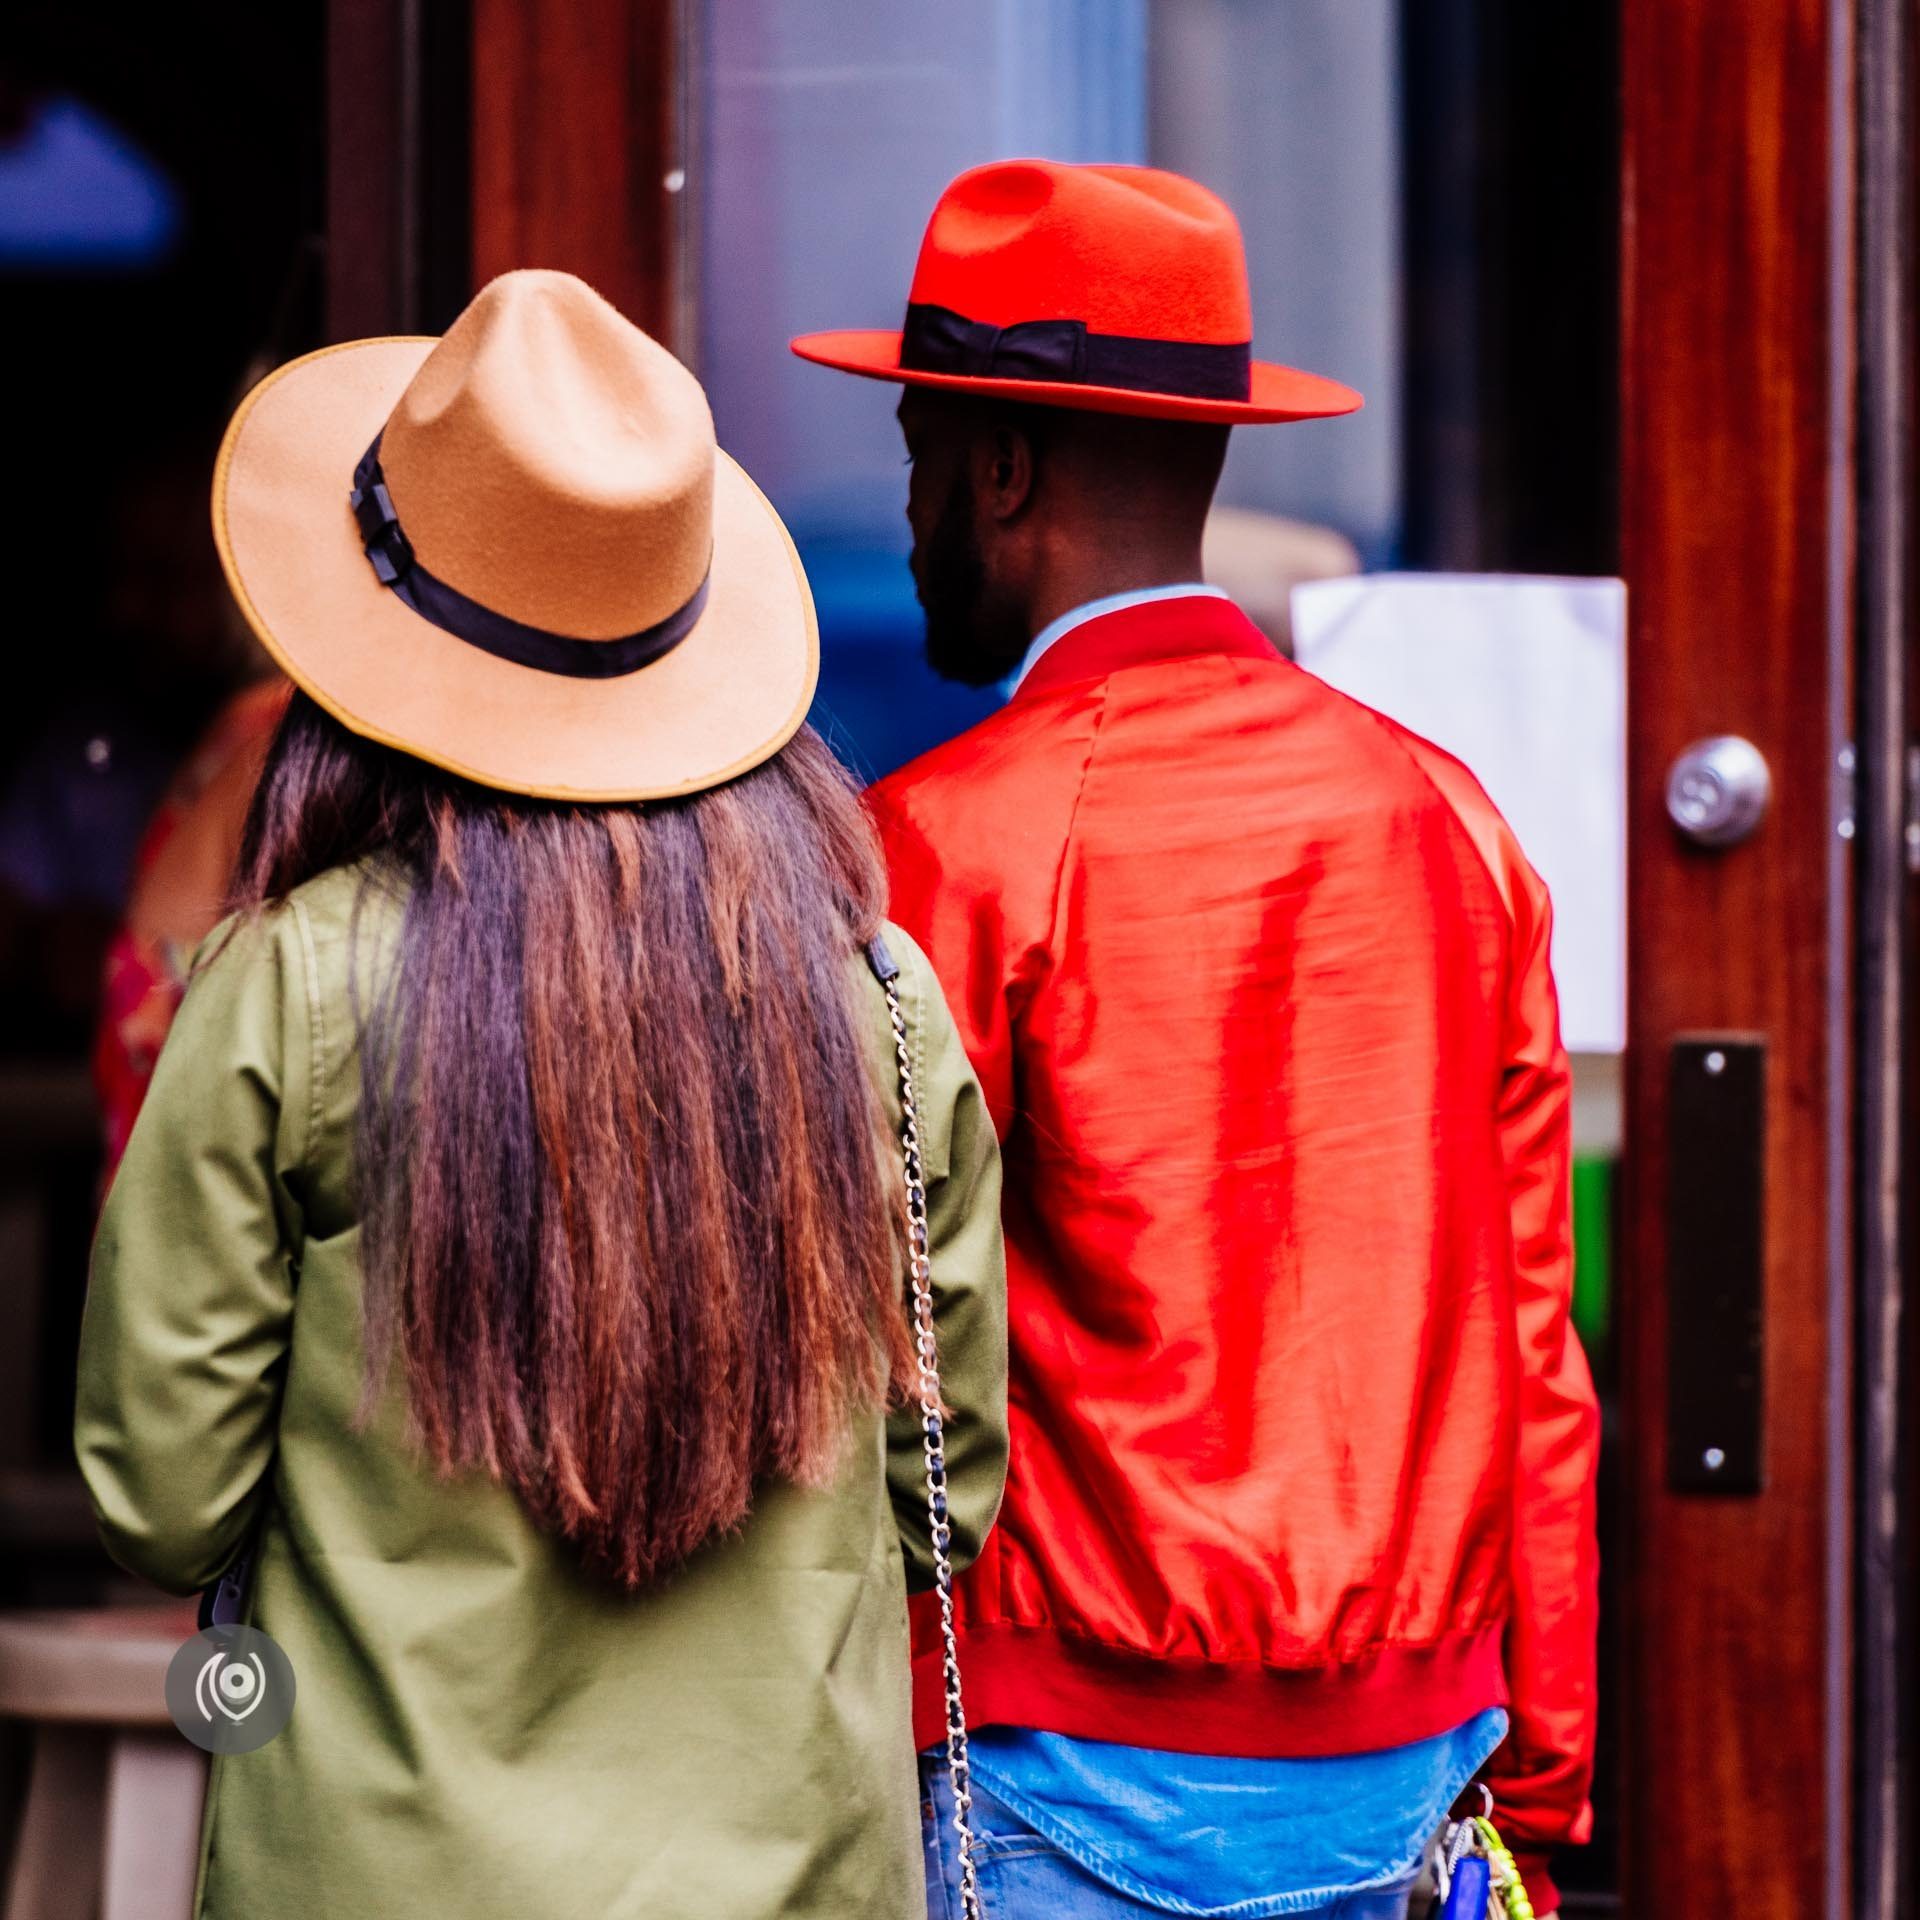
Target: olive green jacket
480,1728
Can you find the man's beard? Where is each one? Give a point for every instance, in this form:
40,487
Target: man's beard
973,637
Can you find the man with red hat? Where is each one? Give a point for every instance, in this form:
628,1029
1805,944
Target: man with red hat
1298,1532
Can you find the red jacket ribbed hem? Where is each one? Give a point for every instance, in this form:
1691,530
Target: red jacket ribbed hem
1037,1677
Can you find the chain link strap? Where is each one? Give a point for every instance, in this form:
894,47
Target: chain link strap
933,1438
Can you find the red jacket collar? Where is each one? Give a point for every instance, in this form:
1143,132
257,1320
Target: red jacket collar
1160,630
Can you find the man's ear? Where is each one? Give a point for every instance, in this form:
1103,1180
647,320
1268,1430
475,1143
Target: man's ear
1004,485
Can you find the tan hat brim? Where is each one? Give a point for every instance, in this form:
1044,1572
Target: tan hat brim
728,697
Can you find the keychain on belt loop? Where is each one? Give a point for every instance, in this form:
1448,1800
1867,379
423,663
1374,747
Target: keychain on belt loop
1475,1874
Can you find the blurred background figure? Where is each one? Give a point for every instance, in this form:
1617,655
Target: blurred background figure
148,651
179,890
1259,558
161,215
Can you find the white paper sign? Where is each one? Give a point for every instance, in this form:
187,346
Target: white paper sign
1524,680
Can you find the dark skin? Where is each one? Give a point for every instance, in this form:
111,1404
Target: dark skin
1020,514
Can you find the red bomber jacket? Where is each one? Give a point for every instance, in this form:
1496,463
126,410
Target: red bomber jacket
1256,983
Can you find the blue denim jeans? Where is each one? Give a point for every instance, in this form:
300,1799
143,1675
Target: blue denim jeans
1024,1876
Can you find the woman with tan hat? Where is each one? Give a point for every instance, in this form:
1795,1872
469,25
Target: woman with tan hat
509,1258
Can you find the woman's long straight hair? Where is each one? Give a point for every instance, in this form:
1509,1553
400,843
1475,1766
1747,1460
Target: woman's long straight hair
626,1213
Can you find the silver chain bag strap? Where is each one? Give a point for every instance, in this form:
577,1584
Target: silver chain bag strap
932,1428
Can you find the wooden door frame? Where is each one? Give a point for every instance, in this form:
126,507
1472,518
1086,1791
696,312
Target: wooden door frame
1736,524
1888,1700
1791,1786
468,137
582,150
397,137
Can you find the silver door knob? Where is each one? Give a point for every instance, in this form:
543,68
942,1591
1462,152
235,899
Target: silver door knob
1718,790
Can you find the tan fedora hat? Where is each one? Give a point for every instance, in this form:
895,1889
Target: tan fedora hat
516,552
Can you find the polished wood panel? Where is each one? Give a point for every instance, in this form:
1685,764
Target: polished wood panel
1887,1653
1736,1793
366,289
396,166
577,147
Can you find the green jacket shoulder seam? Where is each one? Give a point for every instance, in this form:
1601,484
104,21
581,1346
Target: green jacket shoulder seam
316,1026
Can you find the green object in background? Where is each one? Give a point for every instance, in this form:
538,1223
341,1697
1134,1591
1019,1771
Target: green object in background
1594,1177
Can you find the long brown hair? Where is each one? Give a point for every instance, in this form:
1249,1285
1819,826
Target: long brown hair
626,1216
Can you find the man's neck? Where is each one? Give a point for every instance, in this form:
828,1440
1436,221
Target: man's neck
1100,576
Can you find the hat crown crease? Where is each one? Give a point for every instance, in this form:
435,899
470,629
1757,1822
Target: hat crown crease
1119,248
553,463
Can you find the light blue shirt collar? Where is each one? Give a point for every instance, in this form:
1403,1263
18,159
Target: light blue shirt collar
1093,609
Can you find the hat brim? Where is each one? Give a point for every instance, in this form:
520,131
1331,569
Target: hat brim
728,697
1277,393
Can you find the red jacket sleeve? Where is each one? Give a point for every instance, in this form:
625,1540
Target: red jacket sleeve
975,834
961,930
1541,1776
972,871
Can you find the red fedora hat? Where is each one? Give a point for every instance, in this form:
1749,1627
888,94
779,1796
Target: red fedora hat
1111,289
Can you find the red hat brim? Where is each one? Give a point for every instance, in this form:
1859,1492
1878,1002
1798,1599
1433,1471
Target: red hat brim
1278,393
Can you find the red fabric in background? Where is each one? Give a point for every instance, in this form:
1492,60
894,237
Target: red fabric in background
1303,1440
180,879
